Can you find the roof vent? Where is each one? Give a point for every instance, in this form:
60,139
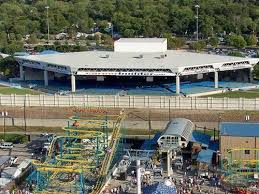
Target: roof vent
105,56
140,56
162,56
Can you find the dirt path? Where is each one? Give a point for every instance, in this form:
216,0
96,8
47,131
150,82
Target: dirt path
133,114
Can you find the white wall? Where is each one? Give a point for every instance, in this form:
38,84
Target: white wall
140,47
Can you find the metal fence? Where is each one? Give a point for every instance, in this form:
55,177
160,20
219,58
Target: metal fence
164,102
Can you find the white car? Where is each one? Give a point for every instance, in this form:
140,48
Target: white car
6,145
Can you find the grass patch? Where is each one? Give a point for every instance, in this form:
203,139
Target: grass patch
15,138
9,90
237,94
34,129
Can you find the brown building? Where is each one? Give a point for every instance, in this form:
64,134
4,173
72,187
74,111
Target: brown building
244,137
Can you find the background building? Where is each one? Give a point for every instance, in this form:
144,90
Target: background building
243,137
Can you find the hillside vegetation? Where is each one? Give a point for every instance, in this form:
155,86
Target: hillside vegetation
130,18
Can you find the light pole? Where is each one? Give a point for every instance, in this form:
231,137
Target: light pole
4,114
47,8
197,21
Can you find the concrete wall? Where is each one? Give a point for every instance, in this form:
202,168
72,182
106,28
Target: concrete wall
109,101
230,142
140,47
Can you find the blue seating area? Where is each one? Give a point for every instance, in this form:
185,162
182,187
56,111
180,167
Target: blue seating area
208,86
151,91
187,88
99,91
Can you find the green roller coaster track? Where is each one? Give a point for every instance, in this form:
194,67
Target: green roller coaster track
82,153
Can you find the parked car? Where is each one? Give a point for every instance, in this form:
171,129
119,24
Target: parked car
6,145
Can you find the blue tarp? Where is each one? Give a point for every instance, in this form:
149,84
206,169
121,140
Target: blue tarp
198,137
205,156
21,54
149,144
214,145
159,188
239,129
48,52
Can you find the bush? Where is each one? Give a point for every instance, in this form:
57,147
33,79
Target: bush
251,40
14,138
236,41
214,41
198,45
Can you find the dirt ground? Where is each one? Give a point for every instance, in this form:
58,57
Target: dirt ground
133,114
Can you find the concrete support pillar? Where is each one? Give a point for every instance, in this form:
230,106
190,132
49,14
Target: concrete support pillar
21,72
251,77
46,78
216,79
138,177
150,79
73,83
177,82
100,78
169,167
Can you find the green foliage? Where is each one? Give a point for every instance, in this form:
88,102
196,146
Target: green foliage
256,71
214,41
15,138
9,67
131,18
198,45
32,39
11,48
174,42
235,54
236,41
251,40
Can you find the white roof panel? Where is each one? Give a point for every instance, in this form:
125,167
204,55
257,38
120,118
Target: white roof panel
171,59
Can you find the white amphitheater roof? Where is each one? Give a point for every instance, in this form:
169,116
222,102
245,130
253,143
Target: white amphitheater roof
141,40
170,61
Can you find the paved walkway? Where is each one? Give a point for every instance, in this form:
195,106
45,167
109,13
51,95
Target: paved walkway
127,124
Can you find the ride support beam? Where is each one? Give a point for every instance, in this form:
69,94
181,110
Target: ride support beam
177,82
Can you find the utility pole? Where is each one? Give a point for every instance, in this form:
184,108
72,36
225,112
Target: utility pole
4,114
47,8
197,21
149,124
24,114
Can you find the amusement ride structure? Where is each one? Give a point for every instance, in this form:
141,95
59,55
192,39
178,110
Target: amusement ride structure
241,170
79,161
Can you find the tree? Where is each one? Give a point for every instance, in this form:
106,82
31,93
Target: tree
32,39
198,45
251,40
214,41
256,71
237,41
14,46
9,67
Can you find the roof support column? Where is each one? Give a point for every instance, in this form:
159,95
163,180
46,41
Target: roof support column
138,177
251,77
216,79
73,82
21,72
177,82
46,78
169,158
